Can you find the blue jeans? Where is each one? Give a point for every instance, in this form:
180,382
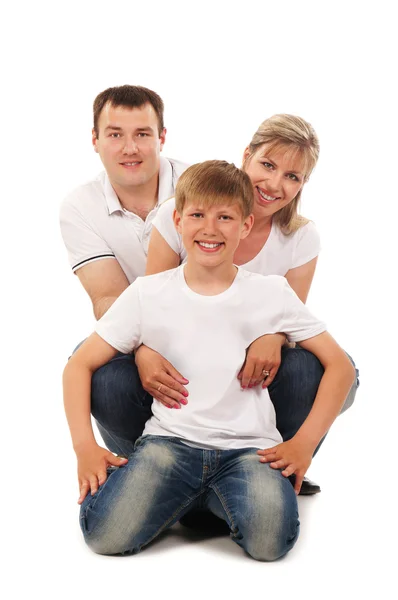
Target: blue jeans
165,478
121,406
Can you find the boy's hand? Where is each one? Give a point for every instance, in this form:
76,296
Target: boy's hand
92,462
293,456
263,356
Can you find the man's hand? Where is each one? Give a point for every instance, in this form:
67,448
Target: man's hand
293,456
263,355
160,379
92,462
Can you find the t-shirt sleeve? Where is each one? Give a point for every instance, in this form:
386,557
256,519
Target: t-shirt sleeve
82,241
165,225
298,323
308,245
121,324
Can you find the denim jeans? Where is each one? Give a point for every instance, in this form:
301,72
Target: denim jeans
121,406
165,478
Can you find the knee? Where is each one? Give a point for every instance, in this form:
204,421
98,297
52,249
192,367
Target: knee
271,539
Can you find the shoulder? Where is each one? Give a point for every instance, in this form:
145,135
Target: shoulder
178,166
84,197
266,282
154,284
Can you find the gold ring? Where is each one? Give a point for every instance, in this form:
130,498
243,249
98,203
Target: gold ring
265,373
159,387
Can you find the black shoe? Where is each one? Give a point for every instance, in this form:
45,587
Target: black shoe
308,487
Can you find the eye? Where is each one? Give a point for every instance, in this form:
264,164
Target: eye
143,134
292,176
225,218
197,215
115,135
267,165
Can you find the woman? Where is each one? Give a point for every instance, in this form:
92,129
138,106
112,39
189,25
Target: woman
279,161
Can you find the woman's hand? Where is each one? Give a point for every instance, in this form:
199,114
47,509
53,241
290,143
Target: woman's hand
92,462
293,456
160,379
263,356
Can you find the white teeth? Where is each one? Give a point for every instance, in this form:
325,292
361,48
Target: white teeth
269,198
131,164
206,245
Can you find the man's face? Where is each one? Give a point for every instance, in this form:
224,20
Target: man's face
129,144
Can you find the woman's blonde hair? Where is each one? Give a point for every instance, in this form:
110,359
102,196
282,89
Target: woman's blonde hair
289,133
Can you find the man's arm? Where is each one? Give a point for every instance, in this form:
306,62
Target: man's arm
104,280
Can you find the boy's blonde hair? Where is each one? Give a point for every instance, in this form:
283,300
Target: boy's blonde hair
212,183
294,135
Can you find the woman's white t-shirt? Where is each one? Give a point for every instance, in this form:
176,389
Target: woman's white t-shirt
279,254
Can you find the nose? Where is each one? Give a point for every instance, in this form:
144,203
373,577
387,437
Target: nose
274,181
209,226
130,145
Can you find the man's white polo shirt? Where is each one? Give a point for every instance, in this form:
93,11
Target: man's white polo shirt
94,225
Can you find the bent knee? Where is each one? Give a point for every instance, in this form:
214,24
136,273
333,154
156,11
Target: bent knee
272,545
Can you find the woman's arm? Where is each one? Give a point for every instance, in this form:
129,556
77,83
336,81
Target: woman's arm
160,256
300,278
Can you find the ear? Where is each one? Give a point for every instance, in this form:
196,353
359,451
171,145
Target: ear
246,154
94,139
246,227
177,218
162,138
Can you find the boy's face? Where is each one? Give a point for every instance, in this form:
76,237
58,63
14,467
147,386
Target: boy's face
211,235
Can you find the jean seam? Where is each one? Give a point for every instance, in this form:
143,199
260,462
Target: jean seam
219,495
162,527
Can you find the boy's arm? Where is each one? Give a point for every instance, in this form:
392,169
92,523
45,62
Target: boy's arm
92,459
294,456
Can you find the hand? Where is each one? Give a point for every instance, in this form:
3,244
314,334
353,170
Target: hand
160,379
264,354
293,456
92,462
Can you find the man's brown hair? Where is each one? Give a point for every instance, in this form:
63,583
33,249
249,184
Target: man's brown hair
212,183
130,96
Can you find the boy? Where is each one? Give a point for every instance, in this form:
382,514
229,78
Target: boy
221,450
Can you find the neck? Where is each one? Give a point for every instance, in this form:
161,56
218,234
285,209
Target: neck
209,281
138,199
261,223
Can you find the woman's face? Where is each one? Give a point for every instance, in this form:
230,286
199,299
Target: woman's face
277,178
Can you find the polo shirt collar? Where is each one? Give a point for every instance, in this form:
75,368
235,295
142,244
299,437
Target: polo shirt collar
166,187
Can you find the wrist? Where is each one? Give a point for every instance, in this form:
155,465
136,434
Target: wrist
82,446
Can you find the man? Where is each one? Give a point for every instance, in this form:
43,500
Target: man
106,225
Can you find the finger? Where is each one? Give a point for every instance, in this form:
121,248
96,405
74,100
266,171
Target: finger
272,374
169,387
258,376
266,451
268,458
174,373
101,477
247,373
166,401
93,484
116,461
84,487
279,464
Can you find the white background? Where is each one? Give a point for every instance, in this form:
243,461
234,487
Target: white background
221,69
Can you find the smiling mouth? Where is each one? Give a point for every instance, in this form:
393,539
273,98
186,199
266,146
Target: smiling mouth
266,197
210,246
130,164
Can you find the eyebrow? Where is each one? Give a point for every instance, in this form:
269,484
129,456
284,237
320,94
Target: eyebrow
275,165
116,128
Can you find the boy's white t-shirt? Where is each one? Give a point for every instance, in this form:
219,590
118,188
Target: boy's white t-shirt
205,338
279,254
